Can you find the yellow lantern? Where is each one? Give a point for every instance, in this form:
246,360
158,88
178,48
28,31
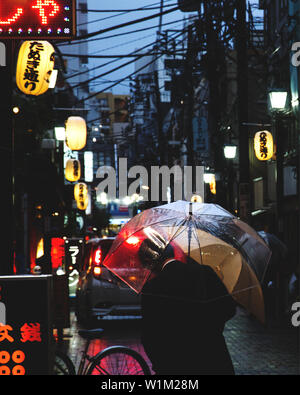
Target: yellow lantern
213,185
34,67
80,191
263,145
73,170
82,203
76,133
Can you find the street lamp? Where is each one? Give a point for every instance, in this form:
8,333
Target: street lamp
60,133
278,102
278,99
230,154
208,177
230,151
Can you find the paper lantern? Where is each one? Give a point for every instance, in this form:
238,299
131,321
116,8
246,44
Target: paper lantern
263,145
213,187
73,170
80,190
82,203
34,67
76,133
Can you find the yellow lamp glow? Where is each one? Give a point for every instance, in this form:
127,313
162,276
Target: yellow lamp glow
82,202
263,145
34,67
213,187
40,248
73,170
196,199
80,191
76,133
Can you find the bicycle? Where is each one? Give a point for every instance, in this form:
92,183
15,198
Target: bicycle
114,360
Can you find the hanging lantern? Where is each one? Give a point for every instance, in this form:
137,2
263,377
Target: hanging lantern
76,133
213,185
80,191
263,145
73,170
82,202
34,67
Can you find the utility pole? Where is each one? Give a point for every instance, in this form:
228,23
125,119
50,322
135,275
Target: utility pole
242,103
214,104
189,99
160,135
6,160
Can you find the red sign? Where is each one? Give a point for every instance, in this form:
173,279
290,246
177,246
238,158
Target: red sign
26,326
57,252
37,19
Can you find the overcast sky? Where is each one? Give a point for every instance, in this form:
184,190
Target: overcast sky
128,42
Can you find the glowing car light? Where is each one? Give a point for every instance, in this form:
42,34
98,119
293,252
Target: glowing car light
97,270
133,241
98,256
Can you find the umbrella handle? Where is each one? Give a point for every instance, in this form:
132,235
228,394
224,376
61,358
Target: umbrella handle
189,236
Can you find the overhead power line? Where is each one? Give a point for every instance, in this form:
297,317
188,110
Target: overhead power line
73,42
149,53
133,22
122,12
125,64
124,78
117,56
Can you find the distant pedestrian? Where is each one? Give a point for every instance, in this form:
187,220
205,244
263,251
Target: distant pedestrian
184,310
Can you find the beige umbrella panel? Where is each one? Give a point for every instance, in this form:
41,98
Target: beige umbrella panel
235,273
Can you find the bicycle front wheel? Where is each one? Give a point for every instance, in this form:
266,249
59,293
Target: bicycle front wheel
118,360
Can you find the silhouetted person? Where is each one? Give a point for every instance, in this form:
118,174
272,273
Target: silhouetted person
184,309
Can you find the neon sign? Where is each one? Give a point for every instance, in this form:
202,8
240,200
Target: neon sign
27,331
37,19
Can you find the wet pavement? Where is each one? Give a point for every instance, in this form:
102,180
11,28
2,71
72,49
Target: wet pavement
255,350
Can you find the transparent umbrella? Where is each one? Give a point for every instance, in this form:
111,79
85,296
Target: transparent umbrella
206,233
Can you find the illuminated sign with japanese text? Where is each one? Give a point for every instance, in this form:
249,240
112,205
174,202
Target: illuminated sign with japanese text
37,19
73,253
26,327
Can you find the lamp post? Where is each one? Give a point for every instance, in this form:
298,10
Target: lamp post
278,104
230,151
278,107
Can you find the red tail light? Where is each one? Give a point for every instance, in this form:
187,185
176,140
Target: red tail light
98,256
97,262
97,271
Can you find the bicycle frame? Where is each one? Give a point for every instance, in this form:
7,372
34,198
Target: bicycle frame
85,357
83,366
